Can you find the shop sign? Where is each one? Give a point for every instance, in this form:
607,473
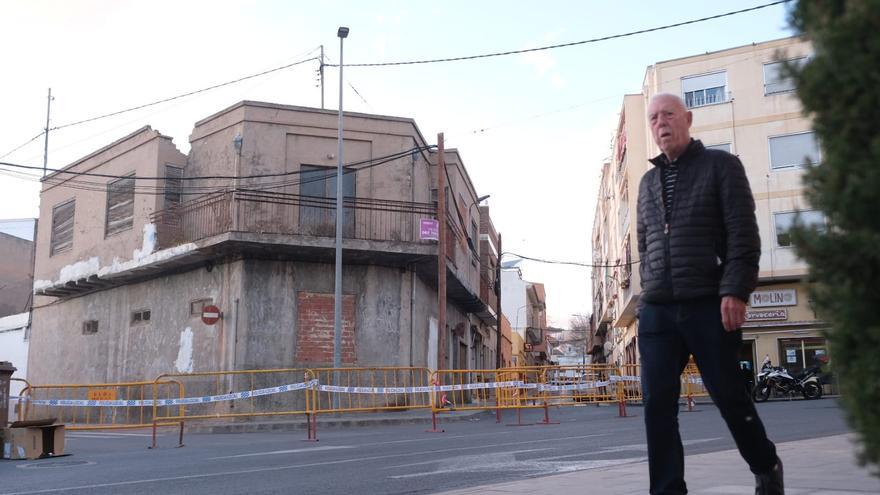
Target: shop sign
767,315
775,297
429,229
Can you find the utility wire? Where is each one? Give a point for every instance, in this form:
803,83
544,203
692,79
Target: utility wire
572,263
29,141
211,177
563,45
74,183
164,100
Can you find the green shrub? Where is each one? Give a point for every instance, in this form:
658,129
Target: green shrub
840,89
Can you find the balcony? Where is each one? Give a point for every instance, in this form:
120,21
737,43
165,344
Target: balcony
312,219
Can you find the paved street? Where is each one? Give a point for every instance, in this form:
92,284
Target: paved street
386,459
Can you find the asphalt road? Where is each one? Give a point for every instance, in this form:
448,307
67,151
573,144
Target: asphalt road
392,459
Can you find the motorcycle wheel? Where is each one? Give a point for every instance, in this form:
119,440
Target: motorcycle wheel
761,393
812,391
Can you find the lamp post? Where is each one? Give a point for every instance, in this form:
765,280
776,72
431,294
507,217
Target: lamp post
342,33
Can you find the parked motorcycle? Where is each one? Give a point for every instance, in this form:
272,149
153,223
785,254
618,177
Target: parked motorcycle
776,381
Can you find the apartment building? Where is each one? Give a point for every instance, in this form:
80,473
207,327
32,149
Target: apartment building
742,103
135,241
524,303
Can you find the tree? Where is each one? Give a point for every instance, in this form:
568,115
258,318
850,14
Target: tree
840,89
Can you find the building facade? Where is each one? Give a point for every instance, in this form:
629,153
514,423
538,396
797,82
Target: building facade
245,222
742,103
16,269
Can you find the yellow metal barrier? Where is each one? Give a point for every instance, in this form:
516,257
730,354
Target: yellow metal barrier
20,405
240,394
371,389
587,383
83,406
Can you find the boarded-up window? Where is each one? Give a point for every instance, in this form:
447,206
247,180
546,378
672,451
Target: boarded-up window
320,220
173,183
62,227
120,205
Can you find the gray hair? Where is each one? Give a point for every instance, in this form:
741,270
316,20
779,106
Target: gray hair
671,96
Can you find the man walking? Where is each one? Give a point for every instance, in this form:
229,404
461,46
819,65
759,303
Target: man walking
699,249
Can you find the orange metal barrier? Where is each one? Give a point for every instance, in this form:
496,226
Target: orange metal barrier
101,406
588,383
239,394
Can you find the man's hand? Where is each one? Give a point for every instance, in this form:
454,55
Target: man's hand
733,313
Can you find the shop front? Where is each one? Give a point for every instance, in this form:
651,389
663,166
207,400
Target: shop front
781,324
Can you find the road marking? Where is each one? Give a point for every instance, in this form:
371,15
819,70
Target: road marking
507,461
636,447
291,451
284,468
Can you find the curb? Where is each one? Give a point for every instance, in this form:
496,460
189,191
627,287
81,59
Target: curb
331,423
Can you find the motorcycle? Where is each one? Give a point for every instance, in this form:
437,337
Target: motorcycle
777,381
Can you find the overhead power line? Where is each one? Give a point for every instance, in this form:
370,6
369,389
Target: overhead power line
29,141
564,45
172,98
572,263
75,183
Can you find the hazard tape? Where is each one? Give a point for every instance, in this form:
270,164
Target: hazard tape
315,385
174,402
574,386
624,378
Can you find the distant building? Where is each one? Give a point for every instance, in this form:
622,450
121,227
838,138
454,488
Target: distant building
741,103
130,263
16,265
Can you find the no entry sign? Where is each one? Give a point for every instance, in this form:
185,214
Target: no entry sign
210,315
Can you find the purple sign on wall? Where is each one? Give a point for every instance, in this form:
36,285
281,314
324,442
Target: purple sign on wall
429,229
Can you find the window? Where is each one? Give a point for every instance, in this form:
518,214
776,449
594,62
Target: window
90,327
196,307
794,150
719,146
320,182
173,185
799,353
706,89
62,227
140,317
475,237
775,79
786,221
623,208
120,205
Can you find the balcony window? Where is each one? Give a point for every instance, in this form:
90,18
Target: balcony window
786,221
319,217
120,206
62,227
706,89
794,150
775,79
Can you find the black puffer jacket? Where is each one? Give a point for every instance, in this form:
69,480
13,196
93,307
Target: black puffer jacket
711,246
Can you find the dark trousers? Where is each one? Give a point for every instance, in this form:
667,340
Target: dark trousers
668,334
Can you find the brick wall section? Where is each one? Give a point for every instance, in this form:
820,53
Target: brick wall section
314,332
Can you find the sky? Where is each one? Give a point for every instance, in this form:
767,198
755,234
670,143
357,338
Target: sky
532,129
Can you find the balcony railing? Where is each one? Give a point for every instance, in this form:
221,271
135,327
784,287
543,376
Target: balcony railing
270,212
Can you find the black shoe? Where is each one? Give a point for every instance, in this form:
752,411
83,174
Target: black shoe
770,483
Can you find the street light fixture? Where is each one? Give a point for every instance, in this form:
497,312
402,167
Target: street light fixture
342,33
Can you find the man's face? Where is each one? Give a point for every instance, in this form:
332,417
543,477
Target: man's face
670,125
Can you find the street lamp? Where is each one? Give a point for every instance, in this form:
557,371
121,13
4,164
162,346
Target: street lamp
342,33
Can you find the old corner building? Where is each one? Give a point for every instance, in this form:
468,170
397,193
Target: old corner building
741,103
126,264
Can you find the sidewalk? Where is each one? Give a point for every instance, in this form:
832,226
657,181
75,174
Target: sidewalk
817,466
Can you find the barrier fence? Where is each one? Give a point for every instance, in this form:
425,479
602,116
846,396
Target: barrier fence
101,406
239,394
175,398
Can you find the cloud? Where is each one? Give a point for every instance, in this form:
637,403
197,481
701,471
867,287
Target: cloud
544,62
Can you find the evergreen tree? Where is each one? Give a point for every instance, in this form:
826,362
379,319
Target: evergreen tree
840,89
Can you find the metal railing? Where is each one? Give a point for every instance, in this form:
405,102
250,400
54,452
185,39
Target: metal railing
270,212
241,394
99,406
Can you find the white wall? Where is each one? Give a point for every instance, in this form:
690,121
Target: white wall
14,348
